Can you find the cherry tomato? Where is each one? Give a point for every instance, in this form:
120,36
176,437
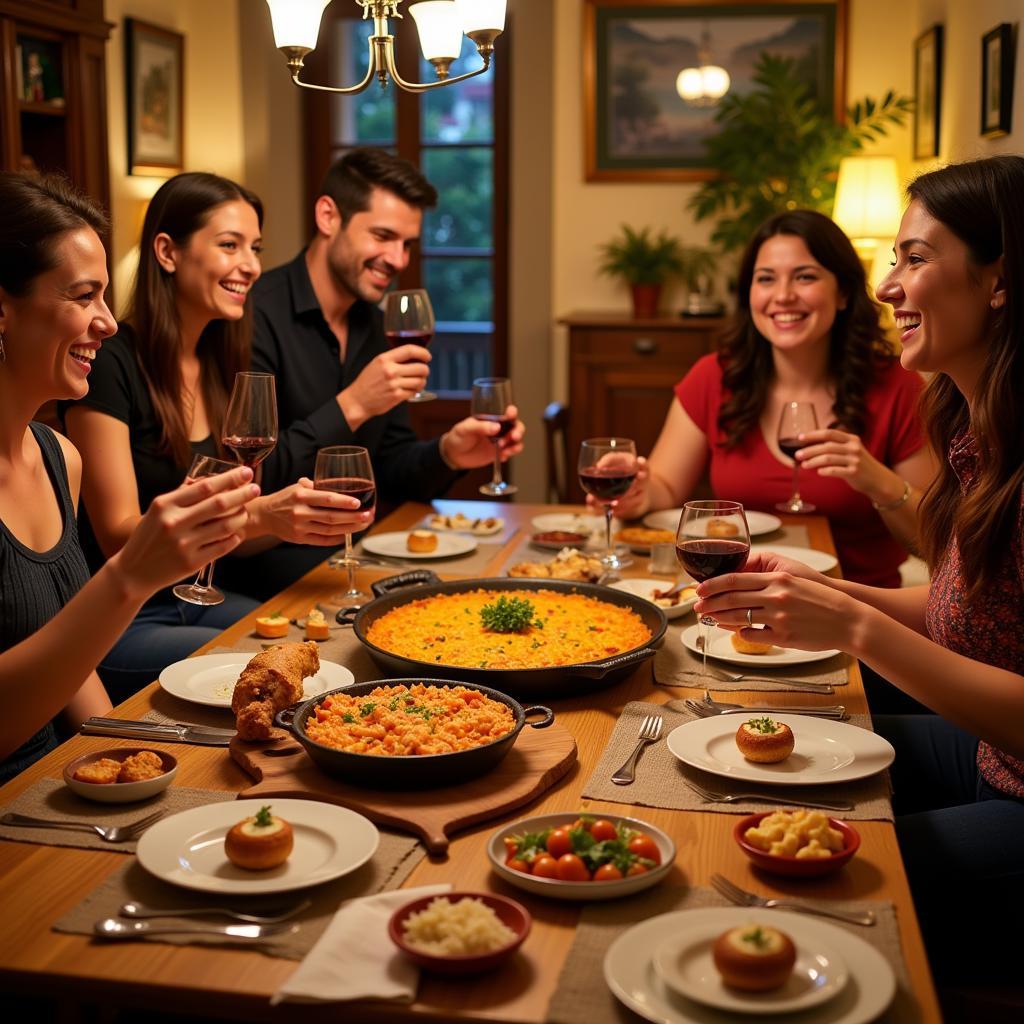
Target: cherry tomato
572,869
603,829
607,873
636,868
518,865
511,846
544,866
583,823
559,843
644,846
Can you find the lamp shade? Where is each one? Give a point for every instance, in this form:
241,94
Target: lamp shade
439,27
296,22
867,203
481,15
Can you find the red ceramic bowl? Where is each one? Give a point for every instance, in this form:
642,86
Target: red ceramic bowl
795,867
511,914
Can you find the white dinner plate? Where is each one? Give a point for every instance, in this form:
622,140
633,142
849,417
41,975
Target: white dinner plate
720,647
685,963
825,751
210,678
629,969
758,523
575,522
820,560
394,545
480,529
645,588
187,849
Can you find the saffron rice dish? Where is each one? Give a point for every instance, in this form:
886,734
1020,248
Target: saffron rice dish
565,629
397,721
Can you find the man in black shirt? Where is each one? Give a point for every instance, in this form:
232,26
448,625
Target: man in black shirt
318,330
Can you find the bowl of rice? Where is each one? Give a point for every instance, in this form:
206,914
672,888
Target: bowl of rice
460,932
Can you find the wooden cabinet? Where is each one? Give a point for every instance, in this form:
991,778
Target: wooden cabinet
622,372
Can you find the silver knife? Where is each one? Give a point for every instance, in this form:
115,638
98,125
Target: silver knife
170,732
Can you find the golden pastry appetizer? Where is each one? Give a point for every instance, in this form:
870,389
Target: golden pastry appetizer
765,741
745,646
103,772
260,842
422,541
272,626
316,625
722,528
754,957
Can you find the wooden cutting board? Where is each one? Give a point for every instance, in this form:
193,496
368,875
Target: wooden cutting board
538,760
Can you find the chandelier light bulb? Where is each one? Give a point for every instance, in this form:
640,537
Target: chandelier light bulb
481,15
690,84
296,22
716,81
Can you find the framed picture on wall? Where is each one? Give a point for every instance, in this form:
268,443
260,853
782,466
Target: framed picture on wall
927,93
649,66
154,88
997,81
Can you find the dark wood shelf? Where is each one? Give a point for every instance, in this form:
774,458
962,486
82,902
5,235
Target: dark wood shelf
49,109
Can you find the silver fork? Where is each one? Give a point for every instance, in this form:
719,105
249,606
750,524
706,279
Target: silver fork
709,708
108,833
138,910
650,731
735,894
730,798
111,928
739,677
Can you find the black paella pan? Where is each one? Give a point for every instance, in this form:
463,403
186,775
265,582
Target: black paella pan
531,683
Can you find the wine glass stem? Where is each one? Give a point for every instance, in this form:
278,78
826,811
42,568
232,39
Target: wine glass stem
496,477
204,578
795,500
608,530
350,563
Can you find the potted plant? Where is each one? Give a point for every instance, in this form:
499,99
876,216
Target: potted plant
778,148
645,262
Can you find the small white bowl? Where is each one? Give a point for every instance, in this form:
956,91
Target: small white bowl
120,792
646,587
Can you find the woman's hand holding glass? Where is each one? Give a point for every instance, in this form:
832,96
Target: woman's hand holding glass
303,514
636,501
838,454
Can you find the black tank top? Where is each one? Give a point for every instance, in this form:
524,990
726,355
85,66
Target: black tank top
35,585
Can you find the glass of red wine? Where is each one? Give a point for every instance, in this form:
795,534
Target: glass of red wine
201,590
607,467
796,418
409,319
346,469
491,398
712,539
250,423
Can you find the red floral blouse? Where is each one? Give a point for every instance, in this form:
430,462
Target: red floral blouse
992,631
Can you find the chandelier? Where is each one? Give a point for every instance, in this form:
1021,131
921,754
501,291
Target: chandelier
703,86
440,24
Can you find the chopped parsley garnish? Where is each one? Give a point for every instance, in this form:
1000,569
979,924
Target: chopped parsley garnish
509,615
347,717
756,937
263,818
367,709
765,725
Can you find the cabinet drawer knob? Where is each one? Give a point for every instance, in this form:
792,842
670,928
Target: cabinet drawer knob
645,346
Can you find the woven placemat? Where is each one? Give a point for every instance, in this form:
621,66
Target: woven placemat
582,997
660,775
394,860
51,798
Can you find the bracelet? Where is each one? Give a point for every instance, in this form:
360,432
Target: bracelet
893,505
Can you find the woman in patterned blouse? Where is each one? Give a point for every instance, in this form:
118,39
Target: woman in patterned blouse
957,645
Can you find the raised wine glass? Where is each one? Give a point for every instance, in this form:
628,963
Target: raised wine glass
796,418
409,319
250,423
346,469
712,539
201,590
607,467
491,398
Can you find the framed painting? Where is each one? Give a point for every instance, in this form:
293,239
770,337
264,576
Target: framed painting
154,68
927,93
997,81
639,126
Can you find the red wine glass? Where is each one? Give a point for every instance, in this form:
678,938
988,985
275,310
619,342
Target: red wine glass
346,469
796,418
712,539
409,319
607,467
201,590
250,423
491,398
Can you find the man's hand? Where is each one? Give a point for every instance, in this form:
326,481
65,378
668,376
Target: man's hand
303,515
389,379
470,443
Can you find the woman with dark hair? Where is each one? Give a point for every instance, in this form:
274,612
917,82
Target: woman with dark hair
56,623
806,330
159,394
956,645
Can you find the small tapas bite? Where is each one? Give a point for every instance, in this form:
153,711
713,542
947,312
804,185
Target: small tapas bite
272,626
765,741
260,842
723,528
271,682
674,601
754,957
480,527
642,537
798,844
568,564
560,539
317,627
121,775
423,542
460,932
744,646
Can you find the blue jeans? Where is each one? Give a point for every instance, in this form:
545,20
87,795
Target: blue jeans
963,846
165,631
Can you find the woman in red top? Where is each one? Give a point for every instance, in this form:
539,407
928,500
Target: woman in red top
806,330
956,645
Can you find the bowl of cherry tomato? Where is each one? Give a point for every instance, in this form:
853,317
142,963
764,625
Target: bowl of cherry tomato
581,856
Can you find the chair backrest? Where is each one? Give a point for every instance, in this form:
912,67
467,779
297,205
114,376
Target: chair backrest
556,451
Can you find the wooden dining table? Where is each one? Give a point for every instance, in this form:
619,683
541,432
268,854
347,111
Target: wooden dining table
41,883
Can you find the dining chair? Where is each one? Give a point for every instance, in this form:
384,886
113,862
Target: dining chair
556,451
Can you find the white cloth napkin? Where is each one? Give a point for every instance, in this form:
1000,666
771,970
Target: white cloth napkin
355,957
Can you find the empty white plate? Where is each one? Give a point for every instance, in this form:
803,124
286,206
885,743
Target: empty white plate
820,560
758,523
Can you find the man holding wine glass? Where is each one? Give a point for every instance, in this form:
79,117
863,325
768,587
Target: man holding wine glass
340,378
